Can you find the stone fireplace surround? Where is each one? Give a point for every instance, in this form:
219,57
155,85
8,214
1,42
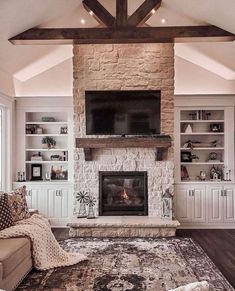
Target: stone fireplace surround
124,67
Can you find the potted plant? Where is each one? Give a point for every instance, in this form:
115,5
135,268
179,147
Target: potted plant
195,158
48,142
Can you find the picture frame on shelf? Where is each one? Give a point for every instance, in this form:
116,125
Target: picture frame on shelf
216,127
64,130
36,172
186,157
59,173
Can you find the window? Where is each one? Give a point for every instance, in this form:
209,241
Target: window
2,146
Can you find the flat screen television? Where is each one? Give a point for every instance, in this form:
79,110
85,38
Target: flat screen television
136,112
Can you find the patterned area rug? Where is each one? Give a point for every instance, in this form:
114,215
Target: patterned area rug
130,265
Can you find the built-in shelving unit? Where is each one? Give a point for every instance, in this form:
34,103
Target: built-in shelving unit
54,159
202,144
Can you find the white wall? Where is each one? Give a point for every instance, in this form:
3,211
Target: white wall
6,84
58,81
192,79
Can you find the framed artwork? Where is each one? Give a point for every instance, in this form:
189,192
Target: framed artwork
186,157
36,172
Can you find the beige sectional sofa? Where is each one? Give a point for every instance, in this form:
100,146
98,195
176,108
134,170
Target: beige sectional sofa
15,261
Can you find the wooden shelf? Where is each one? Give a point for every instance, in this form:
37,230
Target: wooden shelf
49,123
46,150
202,149
161,143
202,163
46,134
202,133
46,162
202,121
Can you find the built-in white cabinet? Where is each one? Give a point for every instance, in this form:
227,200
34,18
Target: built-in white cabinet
208,205
221,204
53,200
190,204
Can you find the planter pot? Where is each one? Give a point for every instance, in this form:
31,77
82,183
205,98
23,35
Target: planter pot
45,146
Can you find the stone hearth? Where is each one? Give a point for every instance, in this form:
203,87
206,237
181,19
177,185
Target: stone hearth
122,226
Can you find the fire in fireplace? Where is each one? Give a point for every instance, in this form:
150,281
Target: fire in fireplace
123,193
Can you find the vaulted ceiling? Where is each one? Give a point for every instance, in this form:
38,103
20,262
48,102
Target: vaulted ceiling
25,62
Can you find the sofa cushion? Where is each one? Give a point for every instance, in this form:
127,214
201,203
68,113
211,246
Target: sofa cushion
12,252
18,204
5,212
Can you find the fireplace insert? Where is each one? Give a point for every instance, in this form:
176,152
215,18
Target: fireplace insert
123,193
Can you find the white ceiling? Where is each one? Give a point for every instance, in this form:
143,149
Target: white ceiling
25,62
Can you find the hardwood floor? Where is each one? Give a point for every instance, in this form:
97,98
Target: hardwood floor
218,244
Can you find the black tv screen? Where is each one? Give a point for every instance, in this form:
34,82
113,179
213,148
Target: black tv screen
123,112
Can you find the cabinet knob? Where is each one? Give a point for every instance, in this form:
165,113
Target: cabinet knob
29,193
193,192
58,193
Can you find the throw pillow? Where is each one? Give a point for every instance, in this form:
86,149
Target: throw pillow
5,212
18,204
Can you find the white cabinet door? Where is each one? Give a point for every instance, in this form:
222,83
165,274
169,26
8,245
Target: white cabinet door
198,204
34,198
215,204
58,202
183,204
229,204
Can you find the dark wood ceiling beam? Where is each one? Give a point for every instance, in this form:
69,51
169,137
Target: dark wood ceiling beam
144,12
121,13
95,9
122,35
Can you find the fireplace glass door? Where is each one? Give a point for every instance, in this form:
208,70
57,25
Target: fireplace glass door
123,193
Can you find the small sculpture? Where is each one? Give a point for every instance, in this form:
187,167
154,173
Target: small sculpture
82,197
91,203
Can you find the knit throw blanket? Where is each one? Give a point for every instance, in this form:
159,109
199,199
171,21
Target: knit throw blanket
46,251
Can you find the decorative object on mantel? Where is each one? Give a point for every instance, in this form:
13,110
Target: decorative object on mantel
167,204
160,142
82,197
91,203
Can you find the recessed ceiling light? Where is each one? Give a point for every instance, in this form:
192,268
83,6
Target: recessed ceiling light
83,21
163,20
153,11
91,13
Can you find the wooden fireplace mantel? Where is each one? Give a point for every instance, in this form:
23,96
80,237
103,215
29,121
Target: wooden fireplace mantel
160,142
